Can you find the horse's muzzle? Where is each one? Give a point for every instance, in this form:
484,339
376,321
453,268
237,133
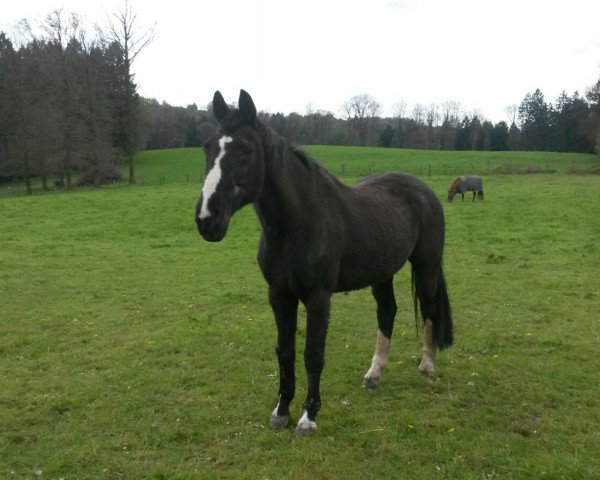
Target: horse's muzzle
214,227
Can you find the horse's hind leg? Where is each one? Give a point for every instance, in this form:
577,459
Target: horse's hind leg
430,288
386,312
429,350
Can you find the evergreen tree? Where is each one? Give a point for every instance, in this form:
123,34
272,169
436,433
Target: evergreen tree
593,97
499,139
534,115
386,137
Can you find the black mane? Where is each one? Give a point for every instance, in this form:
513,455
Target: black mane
275,142
272,140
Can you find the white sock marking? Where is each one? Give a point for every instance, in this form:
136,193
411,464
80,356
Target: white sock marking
305,423
213,178
429,350
275,412
380,358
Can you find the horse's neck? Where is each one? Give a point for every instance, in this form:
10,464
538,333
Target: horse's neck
285,188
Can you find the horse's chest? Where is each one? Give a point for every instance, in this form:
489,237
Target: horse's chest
299,264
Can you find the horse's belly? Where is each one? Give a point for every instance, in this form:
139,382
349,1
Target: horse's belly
355,273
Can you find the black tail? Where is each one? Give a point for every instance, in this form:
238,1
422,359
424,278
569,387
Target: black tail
437,309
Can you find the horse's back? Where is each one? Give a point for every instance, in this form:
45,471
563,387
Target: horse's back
425,208
473,183
406,190
387,220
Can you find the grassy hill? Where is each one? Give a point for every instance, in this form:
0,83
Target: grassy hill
131,348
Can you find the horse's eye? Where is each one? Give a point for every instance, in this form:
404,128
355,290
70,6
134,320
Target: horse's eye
247,149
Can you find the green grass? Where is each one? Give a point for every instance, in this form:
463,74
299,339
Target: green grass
130,348
186,164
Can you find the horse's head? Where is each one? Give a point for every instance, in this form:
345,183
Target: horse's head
453,188
234,167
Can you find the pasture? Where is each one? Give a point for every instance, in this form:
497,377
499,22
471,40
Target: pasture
131,348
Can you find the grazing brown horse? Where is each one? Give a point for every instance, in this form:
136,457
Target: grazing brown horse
320,236
468,183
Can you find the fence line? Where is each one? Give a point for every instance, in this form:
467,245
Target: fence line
356,169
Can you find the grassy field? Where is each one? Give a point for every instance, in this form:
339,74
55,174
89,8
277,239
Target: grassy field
130,348
162,166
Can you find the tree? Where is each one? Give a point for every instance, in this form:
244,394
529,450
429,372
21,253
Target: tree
593,97
8,104
414,133
499,138
475,133
386,137
362,110
63,71
347,113
534,116
569,125
399,110
122,33
450,122
432,117
511,112
96,146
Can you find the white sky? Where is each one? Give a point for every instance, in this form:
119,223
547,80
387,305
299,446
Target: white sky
484,54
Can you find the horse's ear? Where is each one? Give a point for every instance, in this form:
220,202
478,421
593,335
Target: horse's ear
246,105
220,108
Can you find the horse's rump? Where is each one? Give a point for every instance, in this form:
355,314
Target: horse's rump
384,218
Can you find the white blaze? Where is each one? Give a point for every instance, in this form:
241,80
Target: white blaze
213,178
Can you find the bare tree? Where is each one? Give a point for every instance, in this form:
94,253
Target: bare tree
511,112
347,113
309,114
363,109
399,109
432,117
418,113
324,124
122,30
450,111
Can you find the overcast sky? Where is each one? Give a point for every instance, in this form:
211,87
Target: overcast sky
484,54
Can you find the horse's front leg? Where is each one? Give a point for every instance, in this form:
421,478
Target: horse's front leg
317,319
285,310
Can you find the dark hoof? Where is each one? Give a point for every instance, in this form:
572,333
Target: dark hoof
371,383
279,422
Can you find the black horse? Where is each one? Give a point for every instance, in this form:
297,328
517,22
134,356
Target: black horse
320,237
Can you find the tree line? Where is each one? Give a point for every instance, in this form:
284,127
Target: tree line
68,103
70,108
571,124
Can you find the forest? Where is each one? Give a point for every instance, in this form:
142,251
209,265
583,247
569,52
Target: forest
70,109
